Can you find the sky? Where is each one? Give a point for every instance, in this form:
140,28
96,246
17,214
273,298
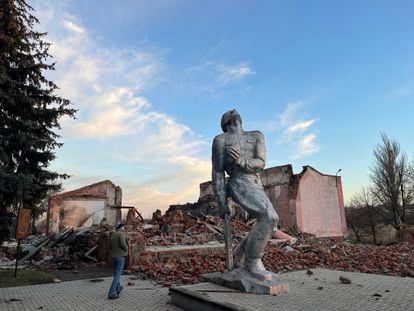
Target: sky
151,79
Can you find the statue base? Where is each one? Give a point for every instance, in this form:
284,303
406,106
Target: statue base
242,280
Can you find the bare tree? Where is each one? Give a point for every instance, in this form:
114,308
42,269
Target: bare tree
389,176
353,220
364,214
407,189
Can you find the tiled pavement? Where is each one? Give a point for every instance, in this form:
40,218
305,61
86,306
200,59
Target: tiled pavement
86,295
320,291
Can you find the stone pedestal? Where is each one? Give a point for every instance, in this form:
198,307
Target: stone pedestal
242,280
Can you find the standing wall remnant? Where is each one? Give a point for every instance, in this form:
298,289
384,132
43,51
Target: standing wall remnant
308,202
84,207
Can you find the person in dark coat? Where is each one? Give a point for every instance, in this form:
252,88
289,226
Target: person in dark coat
118,251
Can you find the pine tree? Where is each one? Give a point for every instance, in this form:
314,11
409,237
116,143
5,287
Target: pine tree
29,112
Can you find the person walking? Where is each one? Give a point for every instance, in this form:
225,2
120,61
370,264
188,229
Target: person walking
118,251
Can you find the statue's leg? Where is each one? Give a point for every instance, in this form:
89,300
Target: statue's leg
249,194
239,253
257,241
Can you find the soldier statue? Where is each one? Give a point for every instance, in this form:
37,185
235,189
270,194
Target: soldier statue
242,156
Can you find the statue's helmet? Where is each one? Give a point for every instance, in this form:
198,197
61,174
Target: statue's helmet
228,117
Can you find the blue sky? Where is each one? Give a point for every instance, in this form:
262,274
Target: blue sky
151,79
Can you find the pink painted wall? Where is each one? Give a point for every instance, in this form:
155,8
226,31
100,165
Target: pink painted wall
319,207
345,230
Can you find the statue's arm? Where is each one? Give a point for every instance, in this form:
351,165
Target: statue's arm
218,176
257,164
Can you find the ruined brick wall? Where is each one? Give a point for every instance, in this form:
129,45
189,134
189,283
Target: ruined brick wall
277,184
307,202
113,196
206,189
101,189
80,212
53,214
73,208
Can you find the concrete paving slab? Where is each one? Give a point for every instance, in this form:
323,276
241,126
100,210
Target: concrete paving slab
366,292
86,295
321,291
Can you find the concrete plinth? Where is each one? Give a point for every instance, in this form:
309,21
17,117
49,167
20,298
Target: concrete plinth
194,298
242,280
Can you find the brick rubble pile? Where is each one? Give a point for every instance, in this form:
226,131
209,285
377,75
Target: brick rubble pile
393,260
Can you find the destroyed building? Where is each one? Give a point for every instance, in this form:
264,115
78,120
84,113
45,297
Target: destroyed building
90,205
308,202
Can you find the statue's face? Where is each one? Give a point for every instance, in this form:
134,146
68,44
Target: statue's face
229,118
233,125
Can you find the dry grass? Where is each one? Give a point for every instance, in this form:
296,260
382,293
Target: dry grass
24,277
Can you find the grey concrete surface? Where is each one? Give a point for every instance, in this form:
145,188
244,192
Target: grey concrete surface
366,292
86,295
321,291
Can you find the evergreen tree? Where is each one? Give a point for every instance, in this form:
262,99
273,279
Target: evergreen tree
29,113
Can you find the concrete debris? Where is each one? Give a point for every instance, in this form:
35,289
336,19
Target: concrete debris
345,280
13,300
289,248
89,252
62,251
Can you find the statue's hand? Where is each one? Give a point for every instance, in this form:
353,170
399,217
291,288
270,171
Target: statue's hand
235,154
224,210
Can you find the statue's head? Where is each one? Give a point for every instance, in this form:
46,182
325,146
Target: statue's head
228,117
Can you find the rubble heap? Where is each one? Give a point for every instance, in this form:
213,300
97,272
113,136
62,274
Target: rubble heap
182,228
184,232
393,260
66,250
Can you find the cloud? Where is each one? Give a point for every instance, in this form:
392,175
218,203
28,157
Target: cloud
306,146
230,74
404,91
147,197
118,133
119,114
75,28
295,130
285,118
213,77
300,126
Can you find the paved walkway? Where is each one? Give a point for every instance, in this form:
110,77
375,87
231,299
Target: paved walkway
320,291
86,295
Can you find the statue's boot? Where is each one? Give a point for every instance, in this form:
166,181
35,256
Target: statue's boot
257,269
256,242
